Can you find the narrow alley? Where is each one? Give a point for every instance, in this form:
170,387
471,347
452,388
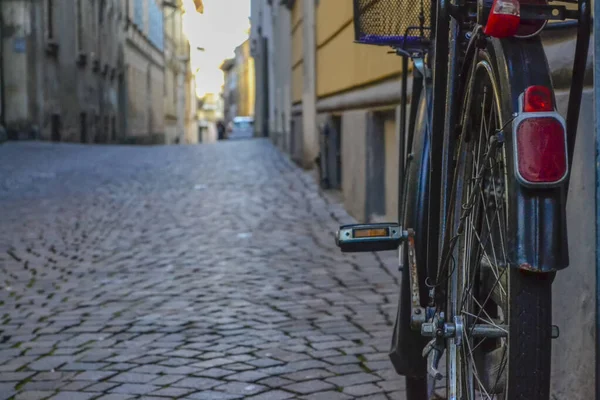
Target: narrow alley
195,272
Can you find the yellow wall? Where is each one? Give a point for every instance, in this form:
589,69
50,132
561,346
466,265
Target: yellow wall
342,64
246,82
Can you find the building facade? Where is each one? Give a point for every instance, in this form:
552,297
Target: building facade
230,90
144,75
246,83
177,59
271,47
239,89
61,70
343,103
94,71
210,112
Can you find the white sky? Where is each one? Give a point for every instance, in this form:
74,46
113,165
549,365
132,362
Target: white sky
223,26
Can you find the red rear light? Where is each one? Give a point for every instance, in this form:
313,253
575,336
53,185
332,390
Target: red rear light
541,150
537,99
504,19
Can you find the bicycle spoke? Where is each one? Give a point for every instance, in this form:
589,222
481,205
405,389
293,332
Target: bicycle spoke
481,255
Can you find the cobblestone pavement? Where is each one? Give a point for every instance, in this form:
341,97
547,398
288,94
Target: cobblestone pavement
196,272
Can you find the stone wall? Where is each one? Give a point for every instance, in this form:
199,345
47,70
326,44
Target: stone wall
61,68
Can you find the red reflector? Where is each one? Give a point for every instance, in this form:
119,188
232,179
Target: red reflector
541,150
537,99
504,19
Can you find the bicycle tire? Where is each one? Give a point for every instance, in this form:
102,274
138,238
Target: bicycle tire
416,191
523,372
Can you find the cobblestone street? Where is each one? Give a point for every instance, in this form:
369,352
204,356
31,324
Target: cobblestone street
196,272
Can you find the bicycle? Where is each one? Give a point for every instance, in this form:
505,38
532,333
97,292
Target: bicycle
484,165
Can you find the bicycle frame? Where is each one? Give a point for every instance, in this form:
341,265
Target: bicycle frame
446,83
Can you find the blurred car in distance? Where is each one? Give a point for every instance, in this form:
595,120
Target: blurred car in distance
241,128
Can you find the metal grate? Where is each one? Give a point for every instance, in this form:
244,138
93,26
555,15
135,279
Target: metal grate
396,23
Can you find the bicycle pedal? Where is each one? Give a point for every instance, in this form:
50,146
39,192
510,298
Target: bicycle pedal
369,237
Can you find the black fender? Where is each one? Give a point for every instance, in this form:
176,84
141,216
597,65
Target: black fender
407,345
538,225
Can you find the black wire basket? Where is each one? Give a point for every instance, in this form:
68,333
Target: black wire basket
402,24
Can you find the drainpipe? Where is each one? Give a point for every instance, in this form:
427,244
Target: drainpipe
310,135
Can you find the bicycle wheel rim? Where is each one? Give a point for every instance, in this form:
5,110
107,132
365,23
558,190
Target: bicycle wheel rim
478,290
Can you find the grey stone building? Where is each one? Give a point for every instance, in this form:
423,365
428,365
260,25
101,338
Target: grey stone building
230,91
61,67
271,47
144,72
177,58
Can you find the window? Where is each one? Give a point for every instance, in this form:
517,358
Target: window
138,14
175,87
80,37
101,12
50,19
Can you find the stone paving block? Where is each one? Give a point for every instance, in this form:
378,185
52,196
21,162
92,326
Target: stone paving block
81,366
183,370
34,395
215,373
344,369
53,376
7,390
95,376
308,375
217,362
213,395
272,395
115,396
327,395
166,380
238,367
247,376
132,377
312,386
42,385
332,345
241,388
275,382
101,387
49,363
379,397
75,386
14,376
264,362
134,388
353,379
121,366
363,390
74,396
397,395
175,361
342,360
16,363
172,392
197,383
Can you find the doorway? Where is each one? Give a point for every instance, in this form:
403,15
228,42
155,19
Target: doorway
83,128
55,127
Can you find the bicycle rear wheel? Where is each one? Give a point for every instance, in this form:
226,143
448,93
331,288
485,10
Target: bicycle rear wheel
502,315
